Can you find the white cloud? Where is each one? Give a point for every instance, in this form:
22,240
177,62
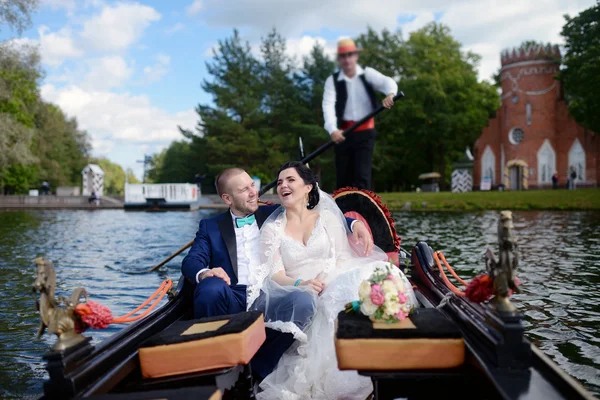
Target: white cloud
119,117
175,28
117,27
107,72
301,47
68,5
153,73
195,7
56,47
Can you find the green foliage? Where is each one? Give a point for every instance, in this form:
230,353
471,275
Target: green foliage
62,149
582,61
17,13
37,141
114,177
176,164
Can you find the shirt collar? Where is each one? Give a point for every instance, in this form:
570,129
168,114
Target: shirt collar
342,76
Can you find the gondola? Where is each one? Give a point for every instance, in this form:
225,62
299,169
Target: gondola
497,361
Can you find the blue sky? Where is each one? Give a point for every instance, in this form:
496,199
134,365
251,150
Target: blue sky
130,72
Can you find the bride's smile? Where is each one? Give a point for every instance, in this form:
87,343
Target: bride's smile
291,188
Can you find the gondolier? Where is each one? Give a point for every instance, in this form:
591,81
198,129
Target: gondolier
349,96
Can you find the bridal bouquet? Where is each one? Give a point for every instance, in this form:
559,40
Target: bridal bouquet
382,297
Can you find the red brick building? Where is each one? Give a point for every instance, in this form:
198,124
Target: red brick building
532,134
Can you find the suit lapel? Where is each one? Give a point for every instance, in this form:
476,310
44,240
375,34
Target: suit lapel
228,234
261,216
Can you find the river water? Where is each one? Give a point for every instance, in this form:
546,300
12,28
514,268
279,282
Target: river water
109,251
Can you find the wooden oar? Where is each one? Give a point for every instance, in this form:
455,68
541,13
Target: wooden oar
172,256
329,144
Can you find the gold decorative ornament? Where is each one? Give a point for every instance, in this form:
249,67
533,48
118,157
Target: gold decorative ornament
503,271
56,314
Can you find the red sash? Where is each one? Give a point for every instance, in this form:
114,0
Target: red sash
370,124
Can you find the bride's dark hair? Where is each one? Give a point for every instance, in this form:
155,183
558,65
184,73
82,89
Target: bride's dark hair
309,179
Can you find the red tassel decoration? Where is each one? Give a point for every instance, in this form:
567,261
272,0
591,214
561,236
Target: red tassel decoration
94,315
480,289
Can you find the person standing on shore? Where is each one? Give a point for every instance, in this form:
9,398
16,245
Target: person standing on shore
572,178
555,180
349,96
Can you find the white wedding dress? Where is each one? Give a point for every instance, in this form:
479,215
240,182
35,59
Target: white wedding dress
308,370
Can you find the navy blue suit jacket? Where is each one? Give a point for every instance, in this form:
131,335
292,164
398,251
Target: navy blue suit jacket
215,244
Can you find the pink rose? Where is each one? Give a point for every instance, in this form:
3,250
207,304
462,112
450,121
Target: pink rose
401,298
401,315
377,297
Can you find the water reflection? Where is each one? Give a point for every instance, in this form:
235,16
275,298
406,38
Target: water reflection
109,251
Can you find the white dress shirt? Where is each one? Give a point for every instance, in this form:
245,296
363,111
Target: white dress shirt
358,104
247,239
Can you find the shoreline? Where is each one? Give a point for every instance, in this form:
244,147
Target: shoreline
525,200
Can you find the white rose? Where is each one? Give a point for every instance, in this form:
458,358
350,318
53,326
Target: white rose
367,307
388,287
391,308
406,308
400,284
364,290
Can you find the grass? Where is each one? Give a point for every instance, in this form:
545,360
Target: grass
583,199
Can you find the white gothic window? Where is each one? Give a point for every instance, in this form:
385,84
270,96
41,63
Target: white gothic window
577,160
546,158
488,164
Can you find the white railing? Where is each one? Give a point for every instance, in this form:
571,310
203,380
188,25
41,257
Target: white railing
171,192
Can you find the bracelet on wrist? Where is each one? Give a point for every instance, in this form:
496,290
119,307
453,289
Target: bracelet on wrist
297,282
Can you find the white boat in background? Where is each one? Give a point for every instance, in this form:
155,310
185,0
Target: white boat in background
158,196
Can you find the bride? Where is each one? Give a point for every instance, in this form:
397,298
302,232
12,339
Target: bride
305,247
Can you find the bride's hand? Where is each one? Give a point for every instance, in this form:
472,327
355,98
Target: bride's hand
316,284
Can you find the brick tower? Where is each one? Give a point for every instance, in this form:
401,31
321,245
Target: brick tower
532,135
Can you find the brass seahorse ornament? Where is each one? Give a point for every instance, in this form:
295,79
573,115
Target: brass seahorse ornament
503,271
56,314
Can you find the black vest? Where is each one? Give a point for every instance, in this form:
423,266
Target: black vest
341,95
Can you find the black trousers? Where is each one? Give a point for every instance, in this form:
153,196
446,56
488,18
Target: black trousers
353,159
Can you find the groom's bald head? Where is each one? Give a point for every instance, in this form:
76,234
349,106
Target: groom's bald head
223,180
238,191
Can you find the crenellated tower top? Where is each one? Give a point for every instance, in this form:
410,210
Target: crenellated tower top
530,53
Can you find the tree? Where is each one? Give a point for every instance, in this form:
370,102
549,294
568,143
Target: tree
582,66
62,149
20,74
17,13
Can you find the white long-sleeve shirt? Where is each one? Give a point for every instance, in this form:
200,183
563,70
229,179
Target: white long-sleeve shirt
358,104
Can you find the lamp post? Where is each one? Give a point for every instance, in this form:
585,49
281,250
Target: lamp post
146,161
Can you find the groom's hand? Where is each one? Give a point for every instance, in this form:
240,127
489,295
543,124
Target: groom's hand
218,273
360,232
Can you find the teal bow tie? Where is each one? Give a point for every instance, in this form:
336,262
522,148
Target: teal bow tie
249,220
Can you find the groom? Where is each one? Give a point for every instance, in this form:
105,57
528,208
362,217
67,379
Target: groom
226,248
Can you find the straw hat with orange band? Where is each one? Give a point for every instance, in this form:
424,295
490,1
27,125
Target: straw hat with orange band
347,46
